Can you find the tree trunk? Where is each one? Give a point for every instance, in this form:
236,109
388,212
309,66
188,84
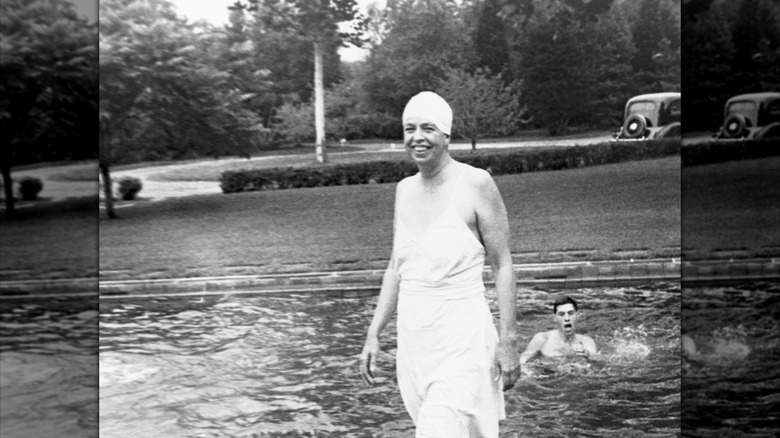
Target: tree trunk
108,196
8,188
319,104
474,143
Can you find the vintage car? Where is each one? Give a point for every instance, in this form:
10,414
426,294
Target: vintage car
651,116
751,116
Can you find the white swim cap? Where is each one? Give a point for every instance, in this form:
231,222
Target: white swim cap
430,106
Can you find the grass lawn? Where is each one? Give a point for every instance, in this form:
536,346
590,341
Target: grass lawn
290,151
89,174
51,239
732,208
596,212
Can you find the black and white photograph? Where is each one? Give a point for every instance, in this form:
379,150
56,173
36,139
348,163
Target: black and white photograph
48,218
389,218
731,218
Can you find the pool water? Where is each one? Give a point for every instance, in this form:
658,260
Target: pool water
285,366
729,387
48,364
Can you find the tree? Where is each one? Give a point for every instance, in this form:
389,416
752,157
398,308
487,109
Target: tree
612,51
490,39
756,38
482,105
656,36
423,39
558,95
49,62
164,80
318,22
647,35
287,56
561,49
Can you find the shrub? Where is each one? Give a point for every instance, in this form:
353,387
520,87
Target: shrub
129,187
482,104
295,121
389,128
720,151
496,161
29,187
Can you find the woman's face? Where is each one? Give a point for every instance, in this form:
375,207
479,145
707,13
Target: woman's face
424,142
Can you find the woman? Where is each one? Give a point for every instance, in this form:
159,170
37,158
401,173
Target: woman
449,218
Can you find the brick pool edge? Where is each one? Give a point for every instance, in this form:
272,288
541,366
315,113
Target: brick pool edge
362,283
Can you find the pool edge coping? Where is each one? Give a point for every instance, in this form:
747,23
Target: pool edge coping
361,283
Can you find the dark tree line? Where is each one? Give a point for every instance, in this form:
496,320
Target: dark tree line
172,89
731,47
48,95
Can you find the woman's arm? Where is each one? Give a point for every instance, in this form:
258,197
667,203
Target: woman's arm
385,308
493,225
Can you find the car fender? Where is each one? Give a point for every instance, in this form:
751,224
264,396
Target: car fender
771,130
672,130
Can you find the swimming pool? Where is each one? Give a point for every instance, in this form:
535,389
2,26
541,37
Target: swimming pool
48,364
244,366
730,386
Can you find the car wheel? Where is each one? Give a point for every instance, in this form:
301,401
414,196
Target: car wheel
635,126
734,126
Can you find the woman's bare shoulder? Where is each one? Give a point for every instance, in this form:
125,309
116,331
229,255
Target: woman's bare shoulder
405,182
479,178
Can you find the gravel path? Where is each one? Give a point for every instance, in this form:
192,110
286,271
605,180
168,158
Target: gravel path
54,190
158,190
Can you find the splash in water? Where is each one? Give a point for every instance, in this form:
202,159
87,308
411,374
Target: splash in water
723,346
556,366
628,344
730,382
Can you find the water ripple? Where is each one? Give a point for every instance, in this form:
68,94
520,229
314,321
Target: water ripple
287,366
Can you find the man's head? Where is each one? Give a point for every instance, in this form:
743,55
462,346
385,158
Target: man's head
565,311
427,122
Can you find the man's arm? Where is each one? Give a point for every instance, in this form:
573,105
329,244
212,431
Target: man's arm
590,346
493,226
534,347
585,346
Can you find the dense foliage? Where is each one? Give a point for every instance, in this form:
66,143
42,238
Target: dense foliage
720,151
496,161
171,89
48,95
731,47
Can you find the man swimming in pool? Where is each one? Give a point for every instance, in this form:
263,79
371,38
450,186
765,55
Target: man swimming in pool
563,341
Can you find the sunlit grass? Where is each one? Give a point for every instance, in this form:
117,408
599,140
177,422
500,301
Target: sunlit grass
601,210
88,173
732,206
51,239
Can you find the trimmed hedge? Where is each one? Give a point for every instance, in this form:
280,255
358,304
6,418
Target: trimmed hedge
495,161
720,151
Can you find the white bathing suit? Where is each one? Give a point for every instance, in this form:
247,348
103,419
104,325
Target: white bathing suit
447,342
